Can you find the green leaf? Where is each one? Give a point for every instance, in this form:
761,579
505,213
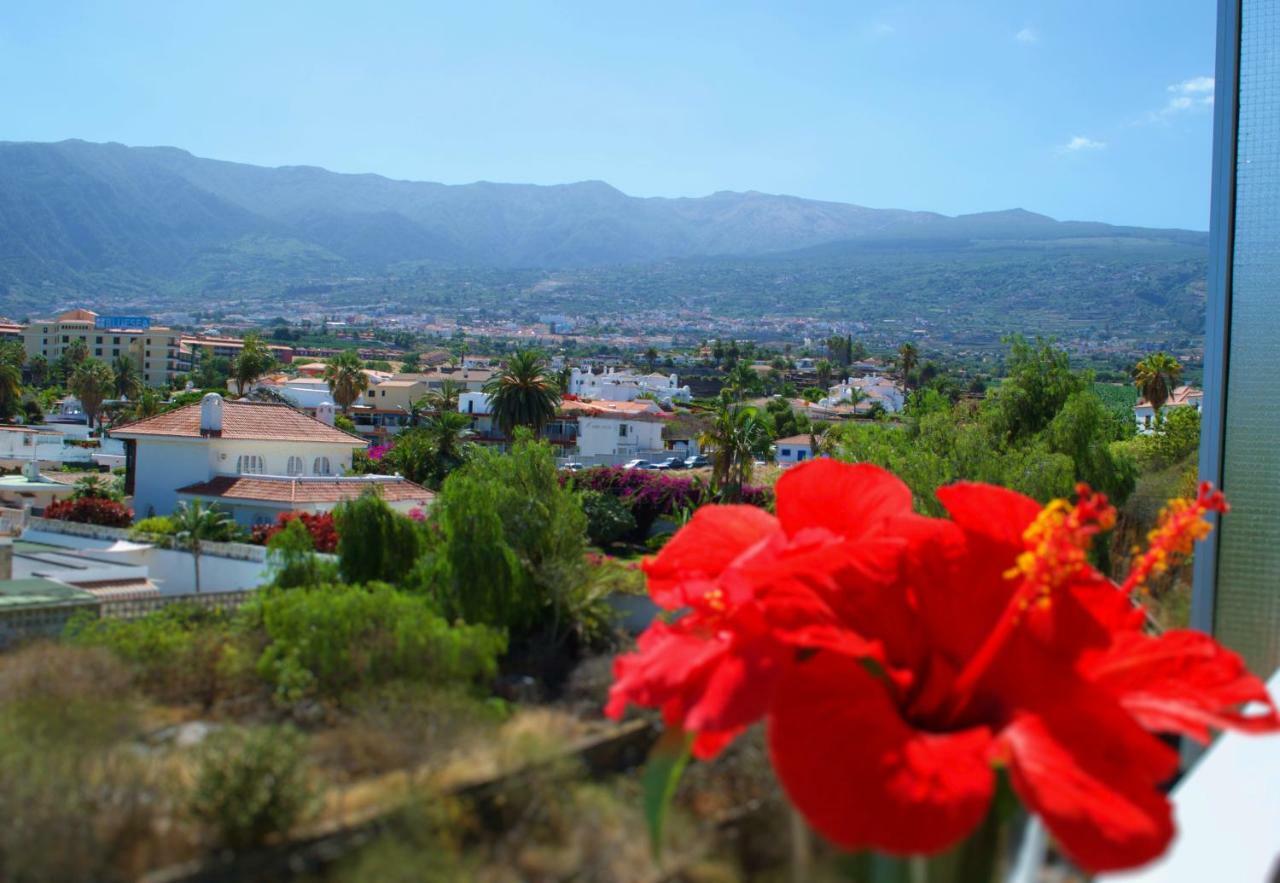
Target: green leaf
662,773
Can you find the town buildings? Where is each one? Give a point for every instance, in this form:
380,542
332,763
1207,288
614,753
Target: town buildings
625,386
866,392
157,351
160,353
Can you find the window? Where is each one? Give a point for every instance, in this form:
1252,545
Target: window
98,339
321,466
97,350
250,464
622,430
786,452
1236,593
296,466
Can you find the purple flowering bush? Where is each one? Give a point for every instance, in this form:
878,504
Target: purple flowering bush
652,495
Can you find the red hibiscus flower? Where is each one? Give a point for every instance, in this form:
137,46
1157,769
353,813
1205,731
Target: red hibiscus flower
902,662
749,589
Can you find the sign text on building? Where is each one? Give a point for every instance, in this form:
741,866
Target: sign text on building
122,323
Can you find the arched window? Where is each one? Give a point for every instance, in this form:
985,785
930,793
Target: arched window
250,464
296,466
321,466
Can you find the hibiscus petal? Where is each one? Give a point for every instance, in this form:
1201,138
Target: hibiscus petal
850,500
1182,682
1091,775
861,775
710,684
703,548
995,513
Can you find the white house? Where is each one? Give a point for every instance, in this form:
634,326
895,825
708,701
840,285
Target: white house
21,444
617,431
624,386
202,450
793,449
1183,397
873,389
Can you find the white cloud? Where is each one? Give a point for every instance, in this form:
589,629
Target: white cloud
1194,86
882,30
1027,35
1080,143
1188,95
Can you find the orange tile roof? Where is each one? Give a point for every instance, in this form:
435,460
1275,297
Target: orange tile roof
251,421
1182,395
280,489
627,410
794,440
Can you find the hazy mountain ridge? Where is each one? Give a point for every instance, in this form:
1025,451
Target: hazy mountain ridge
74,212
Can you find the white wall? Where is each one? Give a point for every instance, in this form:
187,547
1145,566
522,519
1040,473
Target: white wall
276,454
163,466
173,571
599,436
787,454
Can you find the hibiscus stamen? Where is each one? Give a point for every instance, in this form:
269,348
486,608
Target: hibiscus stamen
1057,550
1058,542
1182,523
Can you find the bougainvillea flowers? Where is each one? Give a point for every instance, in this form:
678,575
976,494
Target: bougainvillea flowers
901,662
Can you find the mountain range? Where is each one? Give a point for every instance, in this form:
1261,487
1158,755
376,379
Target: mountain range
75,214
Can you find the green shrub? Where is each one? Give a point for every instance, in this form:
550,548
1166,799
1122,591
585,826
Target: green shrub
332,638
155,526
513,542
608,518
375,543
179,653
251,785
291,554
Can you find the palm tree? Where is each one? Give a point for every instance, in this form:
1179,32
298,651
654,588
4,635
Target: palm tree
127,383
824,369
1157,377
347,379
563,378
650,359
740,380
148,404
255,360
38,369
908,358
735,438
417,408
91,383
448,429
196,524
10,389
445,397
523,393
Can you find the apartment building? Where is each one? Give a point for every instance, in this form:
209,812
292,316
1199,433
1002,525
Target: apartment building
228,347
156,350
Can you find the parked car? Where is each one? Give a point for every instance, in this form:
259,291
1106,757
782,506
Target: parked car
637,464
670,463
697,461
574,467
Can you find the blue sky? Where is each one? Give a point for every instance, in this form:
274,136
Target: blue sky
1093,109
